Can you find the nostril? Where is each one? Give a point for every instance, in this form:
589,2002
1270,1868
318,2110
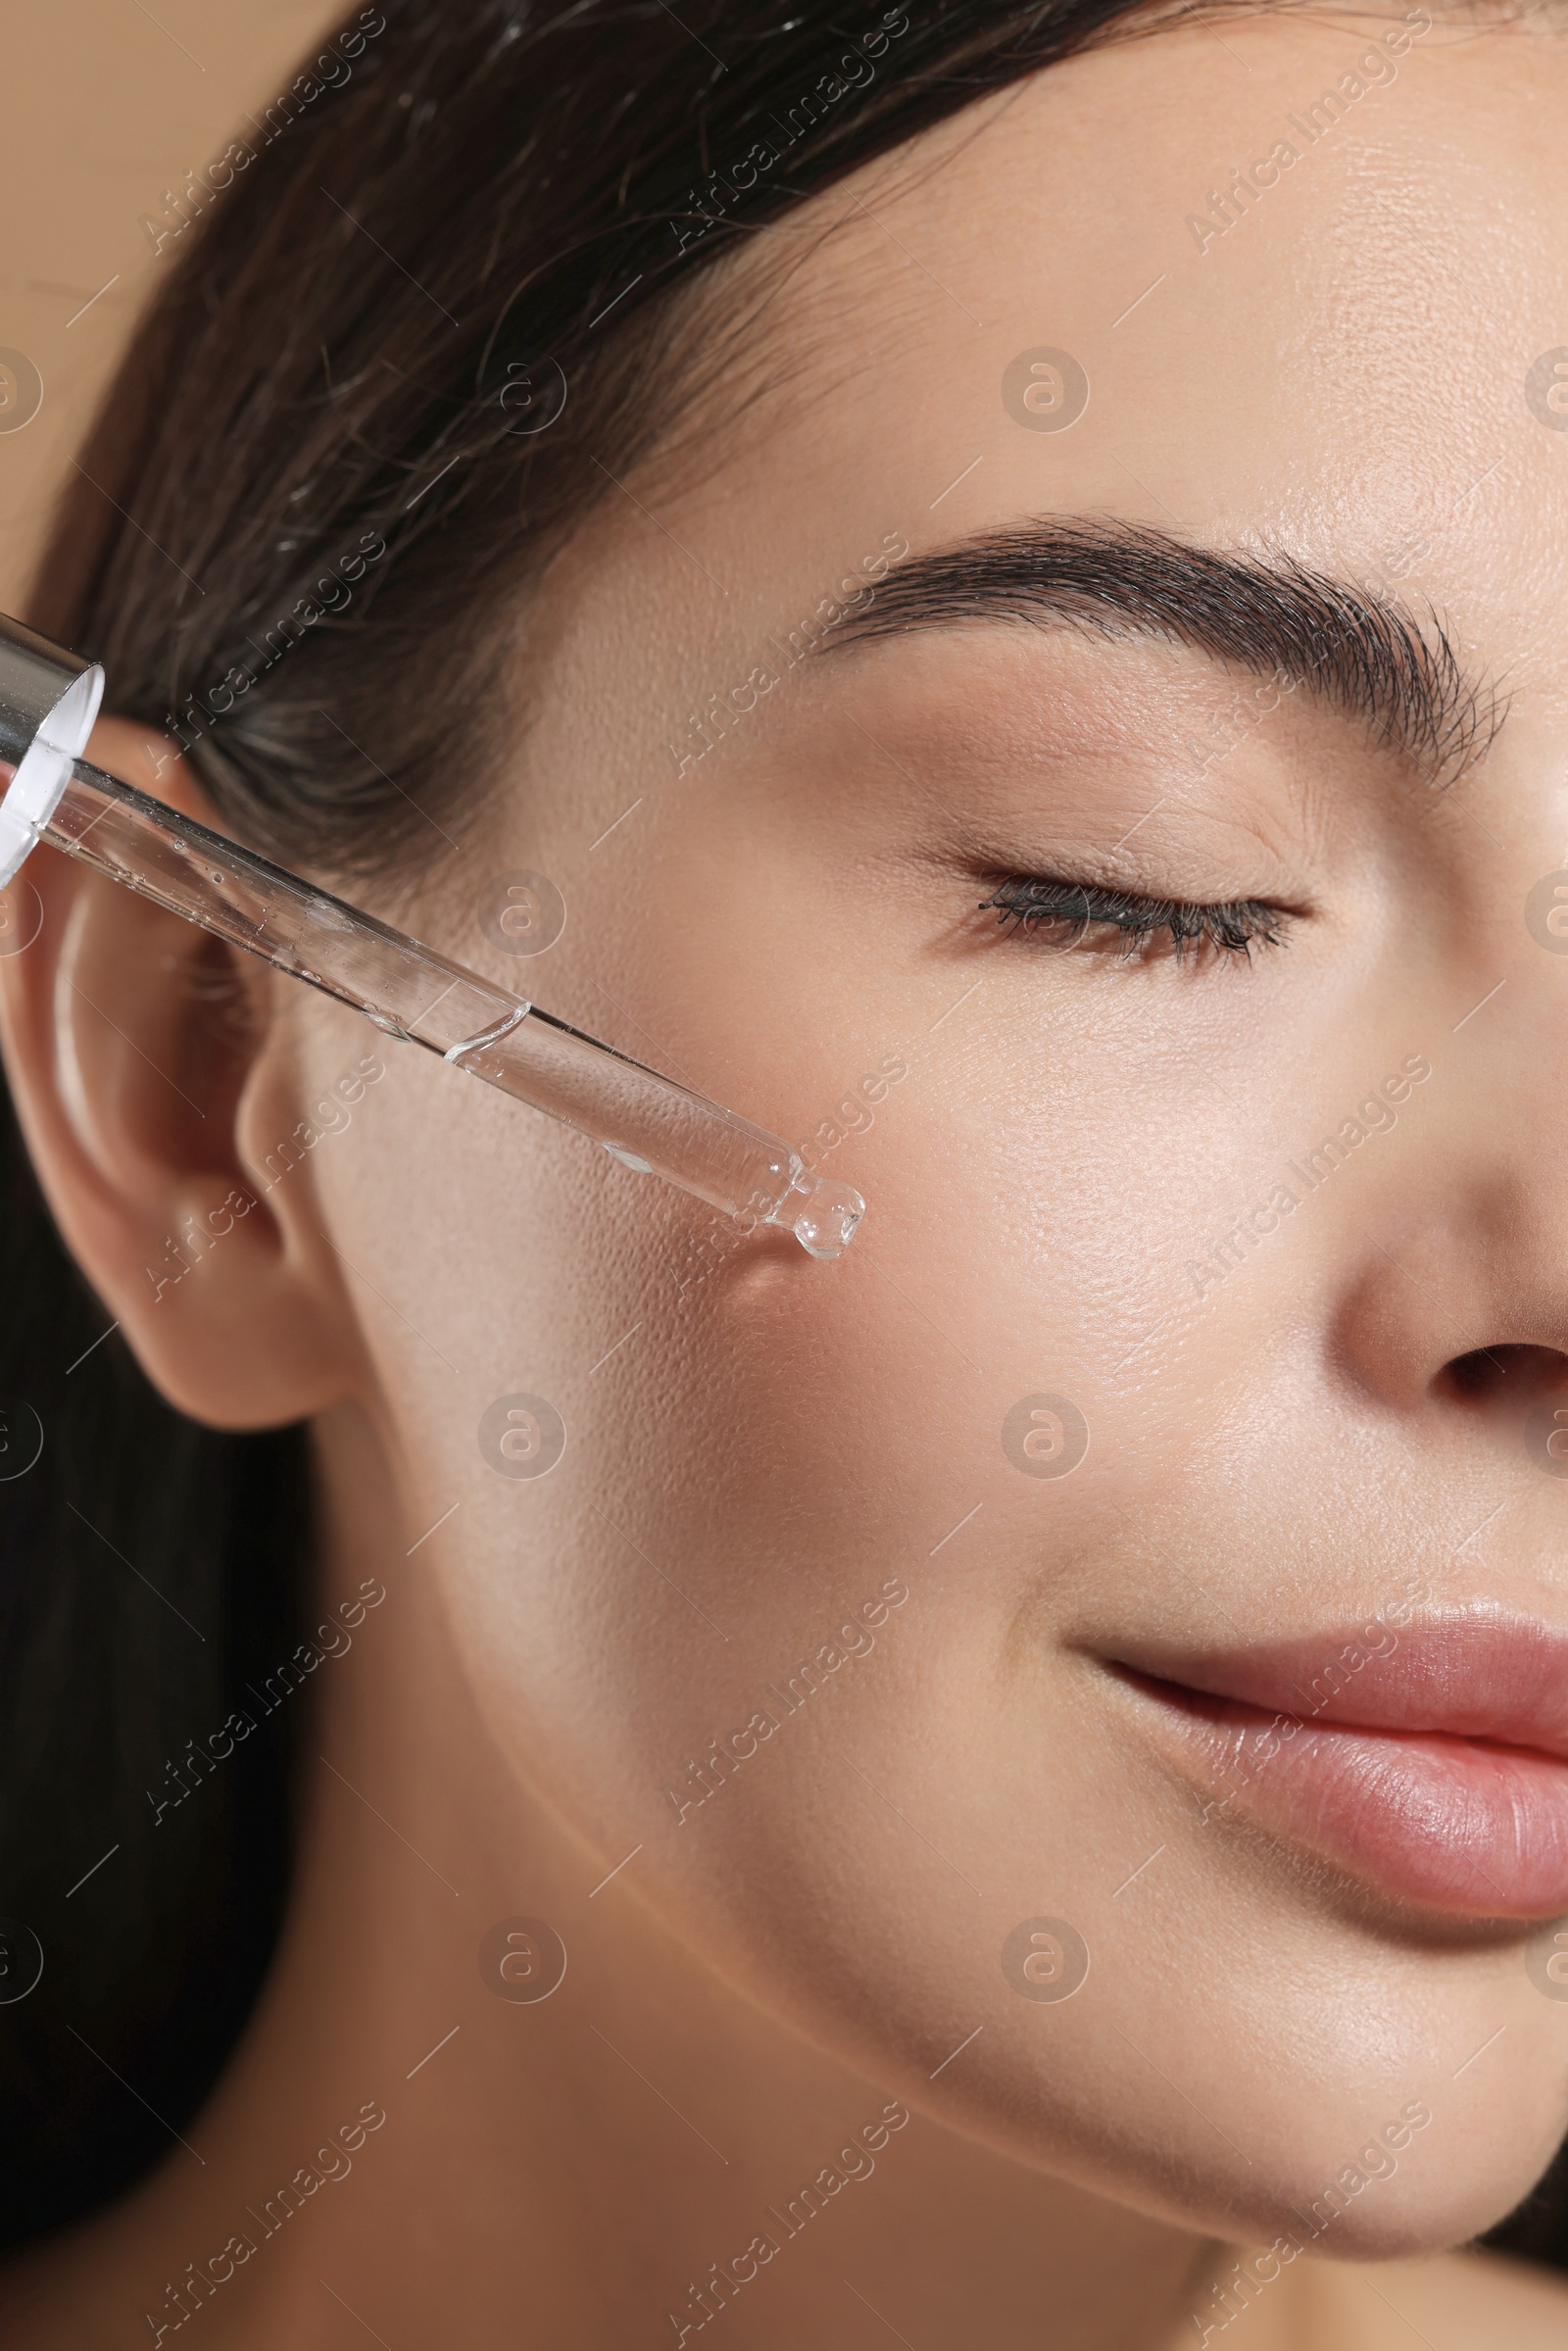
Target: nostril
1513,1374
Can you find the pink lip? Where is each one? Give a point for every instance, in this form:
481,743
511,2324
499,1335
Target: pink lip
1436,1770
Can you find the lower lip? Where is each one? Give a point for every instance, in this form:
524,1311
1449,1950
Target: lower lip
1460,1825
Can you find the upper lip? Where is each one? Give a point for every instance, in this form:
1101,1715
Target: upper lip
1469,1673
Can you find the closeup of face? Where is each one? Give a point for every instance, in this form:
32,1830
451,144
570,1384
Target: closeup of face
1094,1657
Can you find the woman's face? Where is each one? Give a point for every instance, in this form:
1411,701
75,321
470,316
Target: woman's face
1209,1314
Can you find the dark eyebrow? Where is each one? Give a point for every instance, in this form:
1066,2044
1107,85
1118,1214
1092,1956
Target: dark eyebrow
1352,647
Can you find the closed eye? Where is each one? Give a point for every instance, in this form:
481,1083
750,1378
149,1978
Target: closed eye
1069,914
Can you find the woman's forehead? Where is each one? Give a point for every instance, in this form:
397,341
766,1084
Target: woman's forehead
1261,284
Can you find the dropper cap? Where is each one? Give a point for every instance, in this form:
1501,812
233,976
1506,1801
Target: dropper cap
48,701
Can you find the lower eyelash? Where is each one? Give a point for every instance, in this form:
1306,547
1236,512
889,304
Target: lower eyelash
1029,901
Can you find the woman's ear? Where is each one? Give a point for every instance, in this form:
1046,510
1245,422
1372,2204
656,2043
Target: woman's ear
131,1042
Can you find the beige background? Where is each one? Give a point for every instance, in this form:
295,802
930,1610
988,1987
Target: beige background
103,105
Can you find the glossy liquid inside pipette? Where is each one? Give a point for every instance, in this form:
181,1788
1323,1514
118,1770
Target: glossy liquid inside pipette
647,1123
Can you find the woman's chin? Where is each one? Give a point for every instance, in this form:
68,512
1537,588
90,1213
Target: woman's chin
1407,2215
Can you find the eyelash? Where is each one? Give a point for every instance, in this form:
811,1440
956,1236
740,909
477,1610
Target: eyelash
1028,902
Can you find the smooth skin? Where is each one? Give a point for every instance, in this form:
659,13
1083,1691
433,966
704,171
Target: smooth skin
757,1446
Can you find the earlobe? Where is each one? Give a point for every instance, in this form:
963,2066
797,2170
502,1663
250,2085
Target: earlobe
132,1042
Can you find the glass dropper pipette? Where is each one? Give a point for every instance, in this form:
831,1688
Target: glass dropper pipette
48,700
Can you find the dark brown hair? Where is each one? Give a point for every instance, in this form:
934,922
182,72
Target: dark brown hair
302,536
